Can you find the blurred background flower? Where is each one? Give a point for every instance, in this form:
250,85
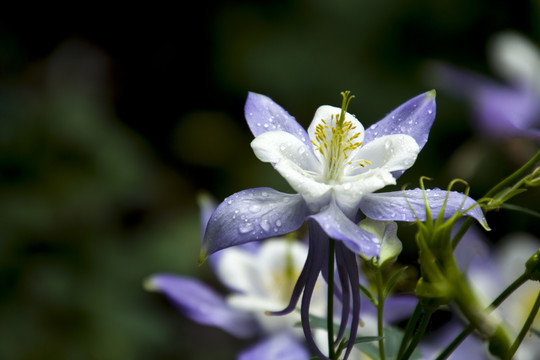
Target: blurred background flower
112,119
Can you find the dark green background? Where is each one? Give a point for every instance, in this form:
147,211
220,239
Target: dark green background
111,121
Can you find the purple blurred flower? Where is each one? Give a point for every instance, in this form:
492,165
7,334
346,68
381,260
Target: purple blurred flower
335,166
259,280
501,110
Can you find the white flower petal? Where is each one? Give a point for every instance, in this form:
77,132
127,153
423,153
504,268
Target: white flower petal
235,270
275,146
315,193
323,116
391,153
349,193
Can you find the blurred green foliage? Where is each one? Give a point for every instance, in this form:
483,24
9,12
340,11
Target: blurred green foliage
109,129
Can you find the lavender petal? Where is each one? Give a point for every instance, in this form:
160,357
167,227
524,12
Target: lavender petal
203,305
263,114
397,205
250,215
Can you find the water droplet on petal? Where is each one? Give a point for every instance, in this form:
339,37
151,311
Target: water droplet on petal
265,225
347,186
245,228
264,193
430,111
278,223
301,150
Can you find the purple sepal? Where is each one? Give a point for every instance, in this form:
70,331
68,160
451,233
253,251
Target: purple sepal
337,226
282,346
414,117
253,214
263,114
203,305
397,205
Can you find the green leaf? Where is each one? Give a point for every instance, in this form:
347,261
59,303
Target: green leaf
361,339
392,281
365,291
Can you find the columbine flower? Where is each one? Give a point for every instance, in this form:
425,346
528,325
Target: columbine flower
502,110
335,166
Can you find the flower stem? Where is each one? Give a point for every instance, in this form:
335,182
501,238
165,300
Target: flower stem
426,316
469,329
330,303
519,173
524,329
409,330
380,311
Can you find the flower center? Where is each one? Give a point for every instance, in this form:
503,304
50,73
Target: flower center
335,140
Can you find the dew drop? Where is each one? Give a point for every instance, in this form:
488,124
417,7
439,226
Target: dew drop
229,201
258,124
374,126
301,150
347,186
254,208
245,228
430,111
264,193
282,147
265,225
266,126
278,223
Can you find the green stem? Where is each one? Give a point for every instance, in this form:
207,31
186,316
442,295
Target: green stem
519,173
330,303
426,316
469,328
409,330
380,311
524,329
508,181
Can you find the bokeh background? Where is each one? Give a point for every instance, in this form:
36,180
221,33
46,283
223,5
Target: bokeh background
112,120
